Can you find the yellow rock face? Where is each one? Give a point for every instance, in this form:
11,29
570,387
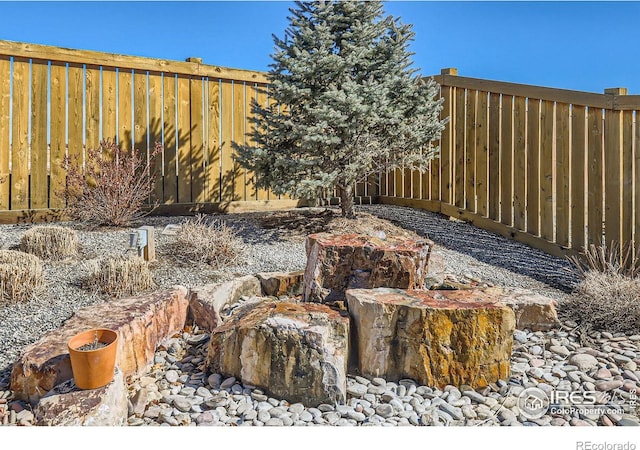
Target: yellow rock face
434,337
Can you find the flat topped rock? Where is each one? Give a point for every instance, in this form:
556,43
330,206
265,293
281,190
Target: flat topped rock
434,337
294,351
142,323
337,262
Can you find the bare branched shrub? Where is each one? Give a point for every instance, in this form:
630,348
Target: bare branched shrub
119,275
608,260
606,301
114,186
208,241
21,276
50,242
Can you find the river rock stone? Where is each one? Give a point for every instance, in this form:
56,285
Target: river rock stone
433,337
206,302
276,284
68,405
294,351
533,311
142,323
336,263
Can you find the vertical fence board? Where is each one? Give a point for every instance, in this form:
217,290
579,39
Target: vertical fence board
627,178
446,143
546,171
213,141
239,115
20,135
75,113
170,133
155,132
506,161
109,104
5,124
533,167
226,111
494,157
406,183
261,99
458,158
125,106
38,179
197,141
140,113
595,176
470,152
562,174
183,132
419,184
578,188
612,168
519,163
58,130
482,149
92,107
636,149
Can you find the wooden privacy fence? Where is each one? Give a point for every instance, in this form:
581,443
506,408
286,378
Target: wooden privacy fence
553,168
56,102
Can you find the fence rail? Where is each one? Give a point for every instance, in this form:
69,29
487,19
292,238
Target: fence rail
554,168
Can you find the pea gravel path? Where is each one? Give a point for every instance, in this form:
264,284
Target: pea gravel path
466,250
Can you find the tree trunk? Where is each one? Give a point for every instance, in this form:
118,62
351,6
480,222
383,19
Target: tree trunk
346,201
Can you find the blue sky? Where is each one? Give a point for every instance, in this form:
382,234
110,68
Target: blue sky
574,45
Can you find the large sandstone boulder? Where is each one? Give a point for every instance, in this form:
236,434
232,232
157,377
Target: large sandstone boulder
275,284
142,324
67,405
294,351
206,302
336,263
533,311
434,337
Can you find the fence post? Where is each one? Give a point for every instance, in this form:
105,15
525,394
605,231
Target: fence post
447,136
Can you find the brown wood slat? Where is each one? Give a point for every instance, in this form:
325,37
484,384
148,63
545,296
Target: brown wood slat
226,111
636,147
109,104
458,157
197,141
76,131
562,174
184,146
125,107
406,183
58,130
494,157
506,161
169,104
595,177
140,133
239,126
260,97
627,177
155,132
446,144
482,152
578,168
5,125
612,168
470,152
92,94
546,171
39,180
533,167
213,141
20,136
417,187
519,163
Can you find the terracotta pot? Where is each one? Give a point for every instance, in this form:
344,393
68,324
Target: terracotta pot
93,368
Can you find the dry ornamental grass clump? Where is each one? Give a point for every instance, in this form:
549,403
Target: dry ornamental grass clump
119,275
50,242
21,276
208,241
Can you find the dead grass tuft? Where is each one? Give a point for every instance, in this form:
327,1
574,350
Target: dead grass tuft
50,242
21,276
117,275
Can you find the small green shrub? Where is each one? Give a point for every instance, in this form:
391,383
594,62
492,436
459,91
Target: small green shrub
119,275
50,242
21,276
